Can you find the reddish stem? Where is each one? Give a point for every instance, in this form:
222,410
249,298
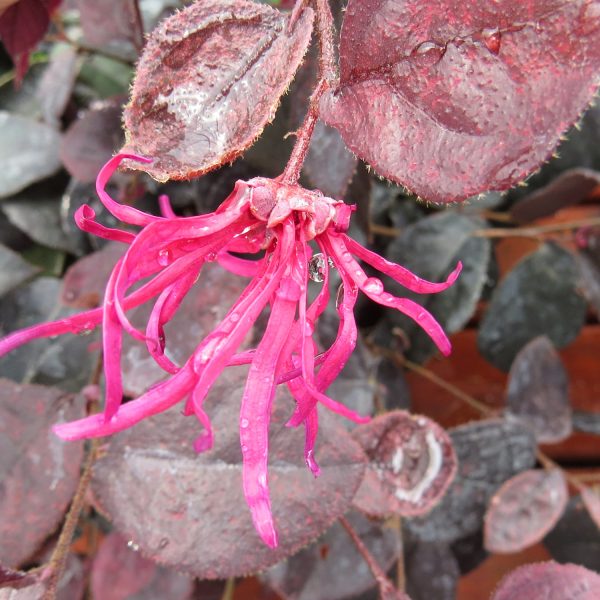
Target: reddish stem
327,77
386,588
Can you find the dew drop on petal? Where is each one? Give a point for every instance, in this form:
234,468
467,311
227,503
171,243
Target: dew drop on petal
373,286
316,268
308,329
244,423
133,546
235,317
164,257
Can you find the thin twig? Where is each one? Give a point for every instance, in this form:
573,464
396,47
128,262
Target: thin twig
229,590
386,588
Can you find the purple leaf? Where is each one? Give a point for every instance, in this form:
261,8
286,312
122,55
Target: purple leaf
432,572
209,80
121,573
104,21
38,471
91,141
455,98
489,452
549,581
332,568
524,510
167,497
411,464
538,391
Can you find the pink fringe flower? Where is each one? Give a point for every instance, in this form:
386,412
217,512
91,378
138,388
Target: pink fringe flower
169,252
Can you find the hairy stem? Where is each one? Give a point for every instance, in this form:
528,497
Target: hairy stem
327,76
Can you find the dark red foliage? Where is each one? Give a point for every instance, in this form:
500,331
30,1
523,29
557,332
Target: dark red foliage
209,80
39,472
453,98
411,464
538,391
119,572
104,21
549,581
188,510
22,26
524,510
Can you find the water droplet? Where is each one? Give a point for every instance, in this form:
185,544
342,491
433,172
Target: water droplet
316,268
373,286
244,448
308,329
491,38
244,423
164,542
430,49
133,546
235,317
164,257
421,315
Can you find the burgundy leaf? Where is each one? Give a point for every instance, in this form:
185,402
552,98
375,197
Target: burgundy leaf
411,464
538,391
332,568
22,27
432,572
38,471
549,581
84,282
14,579
91,141
200,310
188,510
567,189
56,85
591,500
489,452
104,21
454,98
209,80
524,510
119,573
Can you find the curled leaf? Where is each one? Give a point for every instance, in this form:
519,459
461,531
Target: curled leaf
411,464
209,80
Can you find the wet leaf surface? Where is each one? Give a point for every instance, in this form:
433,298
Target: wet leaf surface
431,249
209,80
524,510
538,391
65,361
332,568
13,270
39,472
576,537
121,573
489,452
92,140
169,500
431,572
411,464
438,100
549,581
203,307
28,152
538,297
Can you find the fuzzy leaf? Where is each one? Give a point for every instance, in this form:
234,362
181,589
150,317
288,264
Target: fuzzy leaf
209,80
412,463
166,497
538,391
38,471
455,98
524,510
549,581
